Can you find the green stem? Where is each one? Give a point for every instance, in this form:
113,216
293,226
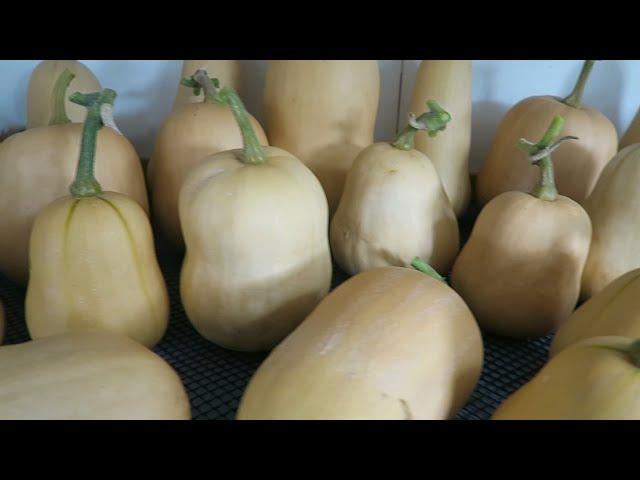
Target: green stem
575,97
85,183
433,121
199,81
424,267
58,97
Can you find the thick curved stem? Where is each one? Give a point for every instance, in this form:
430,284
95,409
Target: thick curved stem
433,121
575,97
424,267
85,183
252,151
58,97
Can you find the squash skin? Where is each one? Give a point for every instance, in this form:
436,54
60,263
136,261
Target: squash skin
632,135
586,381
187,136
324,113
389,343
88,375
258,261
93,265
41,83
38,165
520,270
393,209
226,71
614,207
449,81
577,164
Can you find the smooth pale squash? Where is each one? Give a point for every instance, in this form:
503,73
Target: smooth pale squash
92,256
450,82
88,375
324,113
595,379
520,270
226,71
632,135
614,311
38,165
191,133
577,165
389,343
394,207
41,110
257,257
614,209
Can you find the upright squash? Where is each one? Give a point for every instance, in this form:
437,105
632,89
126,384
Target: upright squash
257,254
226,71
577,166
192,132
92,255
520,270
324,113
389,343
394,207
632,135
595,379
450,81
43,97
88,375
614,208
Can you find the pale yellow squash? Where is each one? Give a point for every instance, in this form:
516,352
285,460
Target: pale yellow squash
614,209
450,82
92,257
394,207
191,133
390,343
595,379
40,101
632,135
577,165
88,375
324,113
520,270
226,71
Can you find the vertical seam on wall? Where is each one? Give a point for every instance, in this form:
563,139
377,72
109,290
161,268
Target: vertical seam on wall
399,103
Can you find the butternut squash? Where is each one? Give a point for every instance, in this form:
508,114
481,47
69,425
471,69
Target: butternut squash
595,379
632,135
193,131
88,375
257,254
41,98
324,113
389,343
520,270
450,81
92,255
226,71
394,206
577,166
37,166
614,209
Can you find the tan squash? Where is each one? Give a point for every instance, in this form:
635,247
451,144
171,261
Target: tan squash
632,135
595,379
41,108
92,256
38,165
88,375
226,71
257,254
394,207
324,113
577,165
450,81
189,134
614,209
389,343
520,270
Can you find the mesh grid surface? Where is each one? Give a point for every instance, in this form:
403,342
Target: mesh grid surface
215,377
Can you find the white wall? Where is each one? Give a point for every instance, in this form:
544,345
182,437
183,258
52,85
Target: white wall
146,89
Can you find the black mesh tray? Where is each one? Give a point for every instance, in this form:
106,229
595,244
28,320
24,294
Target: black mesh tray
215,377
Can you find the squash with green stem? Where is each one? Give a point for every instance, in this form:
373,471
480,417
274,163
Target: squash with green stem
226,71
520,270
92,255
255,224
577,166
37,166
394,206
